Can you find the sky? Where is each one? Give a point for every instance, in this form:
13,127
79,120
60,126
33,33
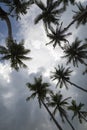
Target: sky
15,112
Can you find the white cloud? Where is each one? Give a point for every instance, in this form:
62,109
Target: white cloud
8,95
14,94
5,71
35,39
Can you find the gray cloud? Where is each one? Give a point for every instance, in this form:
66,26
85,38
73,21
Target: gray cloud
15,112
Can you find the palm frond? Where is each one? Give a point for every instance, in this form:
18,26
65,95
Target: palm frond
31,97
3,50
54,5
38,18
40,4
81,15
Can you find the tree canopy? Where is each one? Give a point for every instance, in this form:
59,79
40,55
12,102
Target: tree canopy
74,53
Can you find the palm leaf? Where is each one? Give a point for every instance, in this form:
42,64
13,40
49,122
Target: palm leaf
31,97
54,5
40,4
82,19
38,18
6,57
3,50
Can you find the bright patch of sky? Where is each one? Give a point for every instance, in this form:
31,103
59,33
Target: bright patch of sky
35,39
5,71
8,95
44,58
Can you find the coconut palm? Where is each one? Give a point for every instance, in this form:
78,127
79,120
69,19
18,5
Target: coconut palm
62,75
59,104
76,53
81,15
41,89
76,109
17,7
50,13
57,36
15,53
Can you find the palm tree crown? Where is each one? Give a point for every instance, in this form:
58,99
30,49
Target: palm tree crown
81,15
60,104
57,36
39,89
17,7
76,53
77,111
50,13
15,53
62,75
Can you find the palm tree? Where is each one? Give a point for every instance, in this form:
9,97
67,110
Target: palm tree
40,89
62,75
17,7
15,53
81,19
77,111
59,104
57,36
76,53
50,13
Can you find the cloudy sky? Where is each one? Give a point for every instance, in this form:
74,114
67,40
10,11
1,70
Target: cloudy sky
15,112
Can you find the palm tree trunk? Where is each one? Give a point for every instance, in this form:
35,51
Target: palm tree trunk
77,86
4,16
69,123
57,124
75,20
9,27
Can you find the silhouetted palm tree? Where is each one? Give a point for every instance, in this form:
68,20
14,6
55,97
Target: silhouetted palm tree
59,104
15,53
76,109
62,75
76,53
50,13
57,36
17,7
41,89
81,19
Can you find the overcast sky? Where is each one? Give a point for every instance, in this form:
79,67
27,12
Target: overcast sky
15,112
